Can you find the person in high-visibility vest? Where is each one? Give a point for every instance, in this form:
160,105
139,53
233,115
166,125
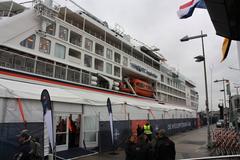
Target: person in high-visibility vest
148,131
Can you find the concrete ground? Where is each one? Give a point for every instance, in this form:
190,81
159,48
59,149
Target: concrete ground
191,144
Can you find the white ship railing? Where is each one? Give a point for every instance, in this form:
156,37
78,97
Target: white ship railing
23,63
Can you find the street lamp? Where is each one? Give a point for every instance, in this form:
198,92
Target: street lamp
201,58
223,80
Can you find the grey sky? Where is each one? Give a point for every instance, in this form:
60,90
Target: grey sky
155,22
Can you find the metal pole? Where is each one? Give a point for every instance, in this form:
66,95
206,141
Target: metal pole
237,90
206,90
225,105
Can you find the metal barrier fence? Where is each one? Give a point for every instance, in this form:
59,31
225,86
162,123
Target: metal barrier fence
216,157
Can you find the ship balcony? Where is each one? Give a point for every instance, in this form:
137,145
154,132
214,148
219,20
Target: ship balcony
30,65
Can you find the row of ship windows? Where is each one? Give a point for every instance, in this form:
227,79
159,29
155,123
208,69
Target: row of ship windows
172,83
171,99
171,90
76,39
60,52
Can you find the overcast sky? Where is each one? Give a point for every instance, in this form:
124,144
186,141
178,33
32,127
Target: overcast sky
155,22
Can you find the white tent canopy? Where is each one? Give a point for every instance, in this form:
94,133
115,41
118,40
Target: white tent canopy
26,90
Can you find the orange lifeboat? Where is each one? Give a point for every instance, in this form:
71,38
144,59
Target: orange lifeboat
140,87
124,87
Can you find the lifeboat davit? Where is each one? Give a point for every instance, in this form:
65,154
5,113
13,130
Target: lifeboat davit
140,87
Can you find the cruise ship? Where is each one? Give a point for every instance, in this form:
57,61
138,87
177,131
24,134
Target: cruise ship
82,61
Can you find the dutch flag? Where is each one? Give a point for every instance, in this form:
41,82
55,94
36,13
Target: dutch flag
186,10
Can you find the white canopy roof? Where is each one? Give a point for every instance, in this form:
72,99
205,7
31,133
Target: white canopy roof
26,90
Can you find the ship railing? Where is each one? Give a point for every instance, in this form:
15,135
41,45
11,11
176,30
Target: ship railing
46,11
15,61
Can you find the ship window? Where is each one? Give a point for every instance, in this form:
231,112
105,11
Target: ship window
148,61
162,78
156,65
29,42
51,27
117,57
63,33
44,45
88,44
109,68
99,49
75,39
125,61
137,55
98,64
109,54
74,53
60,51
141,85
116,71
87,61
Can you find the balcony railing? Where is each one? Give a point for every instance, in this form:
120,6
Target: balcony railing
27,64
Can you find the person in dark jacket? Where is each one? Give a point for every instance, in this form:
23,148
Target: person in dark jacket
25,148
130,149
164,147
139,130
143,148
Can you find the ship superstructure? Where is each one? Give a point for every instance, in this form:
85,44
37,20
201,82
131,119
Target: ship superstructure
76,47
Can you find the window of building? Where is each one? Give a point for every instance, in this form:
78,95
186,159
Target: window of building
117,71
44,45
109,54
29,42
98,64
99,49
88,44
63,33
162,78
117,57
125,61
74,53
75,39
60,51
51,28
87,61
109,68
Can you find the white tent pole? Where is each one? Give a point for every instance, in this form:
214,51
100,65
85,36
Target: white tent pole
238,52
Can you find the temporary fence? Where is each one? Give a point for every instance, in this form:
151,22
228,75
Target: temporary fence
225,142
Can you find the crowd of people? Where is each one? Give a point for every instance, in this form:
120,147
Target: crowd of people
144,146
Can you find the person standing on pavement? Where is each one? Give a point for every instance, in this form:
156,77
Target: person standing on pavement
139,130
130,148
148,130
164,147
143,149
